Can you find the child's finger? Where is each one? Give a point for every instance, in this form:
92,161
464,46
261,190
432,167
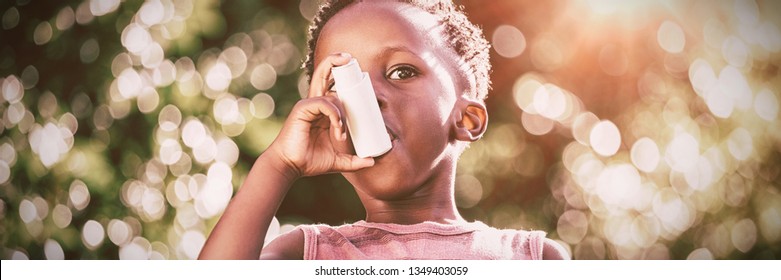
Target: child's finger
340,130
322,74
312,109
349,163
337,124
337,129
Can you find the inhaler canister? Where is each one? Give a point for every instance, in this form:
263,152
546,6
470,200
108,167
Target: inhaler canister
362,112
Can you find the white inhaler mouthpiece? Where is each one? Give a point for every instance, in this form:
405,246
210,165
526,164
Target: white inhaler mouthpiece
362,112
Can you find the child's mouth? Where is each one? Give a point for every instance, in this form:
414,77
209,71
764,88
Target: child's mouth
393,139
392,135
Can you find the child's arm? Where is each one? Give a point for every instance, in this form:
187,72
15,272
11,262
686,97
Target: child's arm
313,141
240,232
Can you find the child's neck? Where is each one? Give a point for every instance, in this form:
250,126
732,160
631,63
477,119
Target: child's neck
409,217
428,204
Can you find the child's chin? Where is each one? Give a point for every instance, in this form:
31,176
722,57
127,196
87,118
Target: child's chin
387,154
383,182
382,170
387,190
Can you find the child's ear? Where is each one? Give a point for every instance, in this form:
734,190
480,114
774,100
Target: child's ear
471,120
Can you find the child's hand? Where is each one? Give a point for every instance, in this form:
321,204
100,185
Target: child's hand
313,139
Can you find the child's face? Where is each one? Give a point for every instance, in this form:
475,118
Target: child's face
414,75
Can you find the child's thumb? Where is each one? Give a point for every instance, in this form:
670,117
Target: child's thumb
348,163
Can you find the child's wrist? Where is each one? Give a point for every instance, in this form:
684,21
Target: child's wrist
271,161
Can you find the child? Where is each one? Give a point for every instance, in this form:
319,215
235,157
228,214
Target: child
429,68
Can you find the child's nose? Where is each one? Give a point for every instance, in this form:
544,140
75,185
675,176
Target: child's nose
381,100
380,92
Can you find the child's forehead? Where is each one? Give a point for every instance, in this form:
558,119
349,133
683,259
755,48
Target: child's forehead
386,19
383,22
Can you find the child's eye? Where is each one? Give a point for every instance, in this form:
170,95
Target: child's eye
402,73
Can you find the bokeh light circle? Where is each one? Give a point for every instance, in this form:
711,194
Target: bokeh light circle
605,138
508,41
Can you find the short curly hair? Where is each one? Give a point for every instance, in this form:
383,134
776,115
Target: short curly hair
463,36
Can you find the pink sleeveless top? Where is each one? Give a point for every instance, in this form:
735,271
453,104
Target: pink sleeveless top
428,240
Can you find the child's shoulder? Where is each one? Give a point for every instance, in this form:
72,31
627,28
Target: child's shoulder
552,250
291,245
286,246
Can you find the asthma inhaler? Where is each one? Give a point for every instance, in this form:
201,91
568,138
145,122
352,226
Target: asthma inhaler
362,112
